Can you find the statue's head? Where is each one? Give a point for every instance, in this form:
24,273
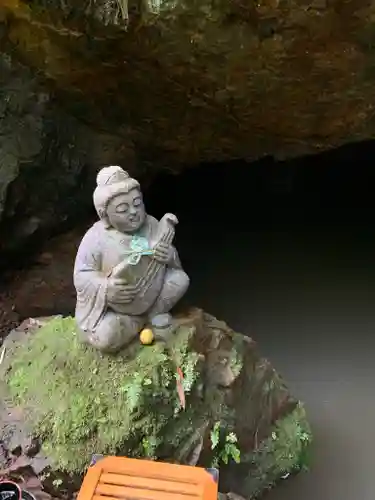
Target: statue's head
118,200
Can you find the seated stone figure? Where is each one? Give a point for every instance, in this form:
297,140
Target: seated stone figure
126,271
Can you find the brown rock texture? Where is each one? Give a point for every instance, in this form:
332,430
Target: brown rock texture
208,81
170,84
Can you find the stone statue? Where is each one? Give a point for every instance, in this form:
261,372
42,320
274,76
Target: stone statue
126,273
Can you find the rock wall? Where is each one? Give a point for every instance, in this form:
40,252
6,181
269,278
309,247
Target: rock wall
48,158
170,84
209,80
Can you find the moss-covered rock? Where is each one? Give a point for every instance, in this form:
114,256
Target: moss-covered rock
239,414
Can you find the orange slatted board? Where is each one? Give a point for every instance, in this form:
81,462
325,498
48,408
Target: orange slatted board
119,478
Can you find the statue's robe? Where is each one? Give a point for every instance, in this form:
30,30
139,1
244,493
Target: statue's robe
100,251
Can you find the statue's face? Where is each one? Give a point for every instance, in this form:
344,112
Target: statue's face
126,212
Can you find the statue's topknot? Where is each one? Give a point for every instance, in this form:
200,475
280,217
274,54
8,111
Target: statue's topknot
111,175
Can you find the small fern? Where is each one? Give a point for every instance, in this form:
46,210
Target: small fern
226,448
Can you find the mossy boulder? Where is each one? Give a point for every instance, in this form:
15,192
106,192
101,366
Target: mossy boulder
238,414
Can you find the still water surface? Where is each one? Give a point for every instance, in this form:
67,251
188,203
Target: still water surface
296,271
313,317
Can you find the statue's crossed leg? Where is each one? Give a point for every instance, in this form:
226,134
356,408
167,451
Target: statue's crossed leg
115,331
175,285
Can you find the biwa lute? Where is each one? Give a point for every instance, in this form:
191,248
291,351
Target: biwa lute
146,273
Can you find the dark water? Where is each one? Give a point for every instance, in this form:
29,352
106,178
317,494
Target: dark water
286,254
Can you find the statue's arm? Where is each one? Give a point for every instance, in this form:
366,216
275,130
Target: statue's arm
88,263
174,262
90,282
88,259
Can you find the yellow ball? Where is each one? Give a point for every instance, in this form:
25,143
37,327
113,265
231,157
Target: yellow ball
146,336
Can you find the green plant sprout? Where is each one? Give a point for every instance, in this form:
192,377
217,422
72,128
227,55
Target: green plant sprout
226,448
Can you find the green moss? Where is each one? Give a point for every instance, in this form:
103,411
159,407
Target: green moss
81,402
283,453
235,362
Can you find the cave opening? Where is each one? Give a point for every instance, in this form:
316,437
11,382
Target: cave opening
283,252
221,206
233,215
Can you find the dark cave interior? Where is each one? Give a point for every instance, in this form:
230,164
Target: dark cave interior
332,190
321,204
335,187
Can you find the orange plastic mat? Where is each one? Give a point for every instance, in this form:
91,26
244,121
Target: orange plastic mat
119,478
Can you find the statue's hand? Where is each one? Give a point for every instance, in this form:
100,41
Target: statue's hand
119,292
163,252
